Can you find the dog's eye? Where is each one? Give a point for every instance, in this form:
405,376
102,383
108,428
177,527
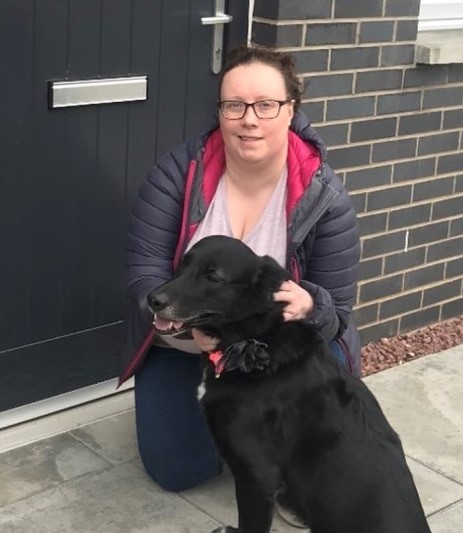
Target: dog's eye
214,277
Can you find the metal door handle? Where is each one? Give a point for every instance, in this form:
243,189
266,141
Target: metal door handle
218,20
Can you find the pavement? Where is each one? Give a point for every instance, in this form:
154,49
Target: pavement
90,479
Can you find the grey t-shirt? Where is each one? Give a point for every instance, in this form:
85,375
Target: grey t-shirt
268,237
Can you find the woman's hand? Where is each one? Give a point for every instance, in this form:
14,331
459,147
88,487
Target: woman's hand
205,343
300,303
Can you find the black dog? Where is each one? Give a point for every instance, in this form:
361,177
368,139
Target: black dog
283,412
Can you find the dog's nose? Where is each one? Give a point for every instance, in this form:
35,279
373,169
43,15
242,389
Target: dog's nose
157,302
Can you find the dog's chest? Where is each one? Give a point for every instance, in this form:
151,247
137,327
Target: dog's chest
206,392
201,390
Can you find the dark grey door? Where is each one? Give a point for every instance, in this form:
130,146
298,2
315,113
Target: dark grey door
68,175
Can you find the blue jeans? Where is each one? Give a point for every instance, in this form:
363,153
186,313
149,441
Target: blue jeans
338,352
174,442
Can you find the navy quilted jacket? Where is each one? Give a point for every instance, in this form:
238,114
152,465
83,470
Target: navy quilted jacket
323,238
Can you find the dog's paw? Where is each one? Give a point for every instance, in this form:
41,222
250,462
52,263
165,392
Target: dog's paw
226,529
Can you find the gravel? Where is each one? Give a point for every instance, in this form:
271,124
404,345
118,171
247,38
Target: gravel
392,351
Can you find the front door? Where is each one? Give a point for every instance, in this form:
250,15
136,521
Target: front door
68,174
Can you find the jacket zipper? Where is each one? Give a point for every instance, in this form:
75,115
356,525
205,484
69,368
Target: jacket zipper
323,200
318,210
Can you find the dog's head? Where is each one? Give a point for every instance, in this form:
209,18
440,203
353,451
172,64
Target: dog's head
221,287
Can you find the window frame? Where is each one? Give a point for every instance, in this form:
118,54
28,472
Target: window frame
440,15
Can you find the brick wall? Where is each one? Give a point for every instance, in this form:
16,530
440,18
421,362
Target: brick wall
394,133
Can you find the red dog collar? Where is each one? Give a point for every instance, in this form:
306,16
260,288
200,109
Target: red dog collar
216,359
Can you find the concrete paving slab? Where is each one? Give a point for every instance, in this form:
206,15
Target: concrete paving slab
448,521
113,438
119,500
216,498
44,464
436,491
422,400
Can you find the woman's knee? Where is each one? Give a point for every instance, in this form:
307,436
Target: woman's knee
174,461
174,442
175,476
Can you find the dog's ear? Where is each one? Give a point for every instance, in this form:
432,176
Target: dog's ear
270,275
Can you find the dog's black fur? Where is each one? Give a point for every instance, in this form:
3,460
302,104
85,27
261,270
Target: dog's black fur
289,417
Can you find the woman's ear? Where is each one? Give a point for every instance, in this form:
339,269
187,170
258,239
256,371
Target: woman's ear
291,110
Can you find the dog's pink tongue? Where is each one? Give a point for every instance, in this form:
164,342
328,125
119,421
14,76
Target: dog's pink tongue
163,324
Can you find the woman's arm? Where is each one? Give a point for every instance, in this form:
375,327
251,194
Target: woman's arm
328,289
332,265
152,238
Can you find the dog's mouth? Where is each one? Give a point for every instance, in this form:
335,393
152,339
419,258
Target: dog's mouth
168,326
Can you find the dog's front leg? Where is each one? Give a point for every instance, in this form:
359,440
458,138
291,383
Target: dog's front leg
255,507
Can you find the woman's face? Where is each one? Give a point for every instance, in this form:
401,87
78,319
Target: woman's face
250,138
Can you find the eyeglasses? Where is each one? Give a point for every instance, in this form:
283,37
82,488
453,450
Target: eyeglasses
235,110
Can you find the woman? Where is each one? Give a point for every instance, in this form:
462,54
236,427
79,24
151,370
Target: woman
258,175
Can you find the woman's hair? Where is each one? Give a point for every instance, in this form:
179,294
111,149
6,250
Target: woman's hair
281,61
